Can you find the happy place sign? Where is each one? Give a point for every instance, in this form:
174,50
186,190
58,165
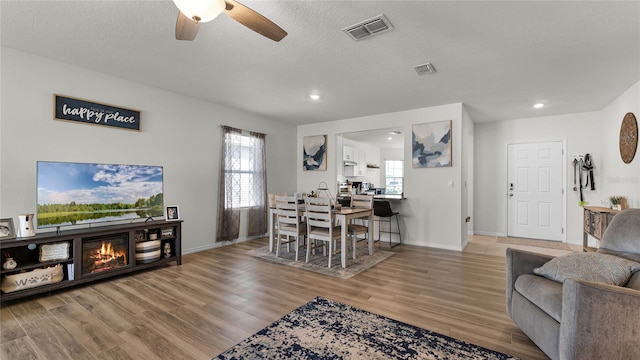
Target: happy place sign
66,108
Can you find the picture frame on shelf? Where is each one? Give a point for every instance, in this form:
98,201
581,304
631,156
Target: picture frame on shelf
7,230
172,213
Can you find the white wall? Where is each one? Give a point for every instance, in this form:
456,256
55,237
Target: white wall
581,132
180,133
431,215
467,185
620,178
595,133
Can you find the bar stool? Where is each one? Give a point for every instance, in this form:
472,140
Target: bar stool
382,210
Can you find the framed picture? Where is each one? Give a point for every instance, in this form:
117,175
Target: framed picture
314,153
173,213
7,231
431,145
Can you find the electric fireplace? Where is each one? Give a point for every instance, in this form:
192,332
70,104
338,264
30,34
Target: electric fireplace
104,253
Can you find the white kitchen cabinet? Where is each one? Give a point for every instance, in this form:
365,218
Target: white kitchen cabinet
347,153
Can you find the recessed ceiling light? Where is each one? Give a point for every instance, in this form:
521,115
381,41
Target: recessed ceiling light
538,105
389,138
314,97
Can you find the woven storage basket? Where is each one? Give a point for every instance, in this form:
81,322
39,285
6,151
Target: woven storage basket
31,279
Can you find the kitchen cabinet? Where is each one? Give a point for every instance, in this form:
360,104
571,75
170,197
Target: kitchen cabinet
347,153
361,168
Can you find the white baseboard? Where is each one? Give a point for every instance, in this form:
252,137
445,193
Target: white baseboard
487,233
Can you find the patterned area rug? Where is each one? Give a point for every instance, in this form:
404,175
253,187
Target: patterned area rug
533,242
318,262
325,329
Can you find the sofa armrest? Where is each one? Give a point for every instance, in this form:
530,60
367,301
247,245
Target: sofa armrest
599,321
521,262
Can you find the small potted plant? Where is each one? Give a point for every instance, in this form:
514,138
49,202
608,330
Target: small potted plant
615,201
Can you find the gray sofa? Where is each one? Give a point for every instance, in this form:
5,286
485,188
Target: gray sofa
579,319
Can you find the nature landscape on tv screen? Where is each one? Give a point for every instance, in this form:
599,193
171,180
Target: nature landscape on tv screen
78,193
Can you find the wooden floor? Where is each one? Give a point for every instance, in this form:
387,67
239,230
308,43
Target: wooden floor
219,297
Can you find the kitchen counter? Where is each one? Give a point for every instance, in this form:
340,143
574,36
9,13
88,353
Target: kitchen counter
346,198
388,197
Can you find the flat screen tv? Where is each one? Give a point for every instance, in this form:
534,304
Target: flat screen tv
82,193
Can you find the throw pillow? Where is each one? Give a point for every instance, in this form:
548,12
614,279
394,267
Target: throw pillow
589,266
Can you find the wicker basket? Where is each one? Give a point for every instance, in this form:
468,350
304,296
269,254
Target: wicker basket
31,279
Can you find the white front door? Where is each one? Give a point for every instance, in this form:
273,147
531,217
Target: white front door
535,190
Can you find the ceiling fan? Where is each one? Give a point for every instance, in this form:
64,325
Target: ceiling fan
194,12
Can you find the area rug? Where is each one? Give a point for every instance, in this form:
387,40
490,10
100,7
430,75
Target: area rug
326,329
318,262
533,242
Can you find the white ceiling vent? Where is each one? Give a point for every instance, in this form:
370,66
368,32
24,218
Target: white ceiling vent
424,69
367,28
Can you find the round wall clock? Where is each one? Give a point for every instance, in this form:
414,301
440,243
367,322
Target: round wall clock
628,138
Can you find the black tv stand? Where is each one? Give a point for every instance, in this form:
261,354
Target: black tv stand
28,254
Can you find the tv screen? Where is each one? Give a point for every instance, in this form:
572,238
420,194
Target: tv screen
81,193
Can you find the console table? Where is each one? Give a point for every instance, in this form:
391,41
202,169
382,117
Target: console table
596,220
51,261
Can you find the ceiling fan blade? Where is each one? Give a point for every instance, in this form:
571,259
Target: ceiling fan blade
186,29
254,20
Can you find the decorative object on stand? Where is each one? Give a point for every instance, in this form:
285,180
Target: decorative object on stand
618,202
167,250
54,251
323,188
88,112
314,153
628,137
26,228
8,263
431,144
172,213
7,230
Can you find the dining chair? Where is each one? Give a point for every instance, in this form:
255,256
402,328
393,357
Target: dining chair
382,210
320,225
362,202
290,223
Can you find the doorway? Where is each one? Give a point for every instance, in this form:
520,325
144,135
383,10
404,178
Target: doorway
535,190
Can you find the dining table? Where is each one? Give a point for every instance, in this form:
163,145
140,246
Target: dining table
343,215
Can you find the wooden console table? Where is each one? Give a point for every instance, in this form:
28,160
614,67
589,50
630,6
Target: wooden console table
596,220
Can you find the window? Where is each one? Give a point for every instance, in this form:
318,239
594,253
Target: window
243,170
394,178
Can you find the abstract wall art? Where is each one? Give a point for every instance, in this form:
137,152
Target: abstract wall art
431,144
314,152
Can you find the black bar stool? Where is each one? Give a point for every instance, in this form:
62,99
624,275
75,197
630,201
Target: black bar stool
382,210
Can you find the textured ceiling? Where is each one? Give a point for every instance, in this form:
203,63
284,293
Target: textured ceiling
498,58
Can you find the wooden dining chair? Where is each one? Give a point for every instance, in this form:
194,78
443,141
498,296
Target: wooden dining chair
354,230
320,225
290,223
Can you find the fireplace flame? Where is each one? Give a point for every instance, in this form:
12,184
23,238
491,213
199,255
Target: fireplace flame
107,254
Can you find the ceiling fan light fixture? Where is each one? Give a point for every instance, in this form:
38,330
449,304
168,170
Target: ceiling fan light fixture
200,10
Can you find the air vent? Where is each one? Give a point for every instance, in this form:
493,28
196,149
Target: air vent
424,69
368,28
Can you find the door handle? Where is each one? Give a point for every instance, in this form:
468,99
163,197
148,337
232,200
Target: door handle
510,194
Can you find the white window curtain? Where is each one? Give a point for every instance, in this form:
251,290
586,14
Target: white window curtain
243,183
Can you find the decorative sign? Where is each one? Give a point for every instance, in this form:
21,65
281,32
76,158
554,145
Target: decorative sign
70,109
628,138
51,252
